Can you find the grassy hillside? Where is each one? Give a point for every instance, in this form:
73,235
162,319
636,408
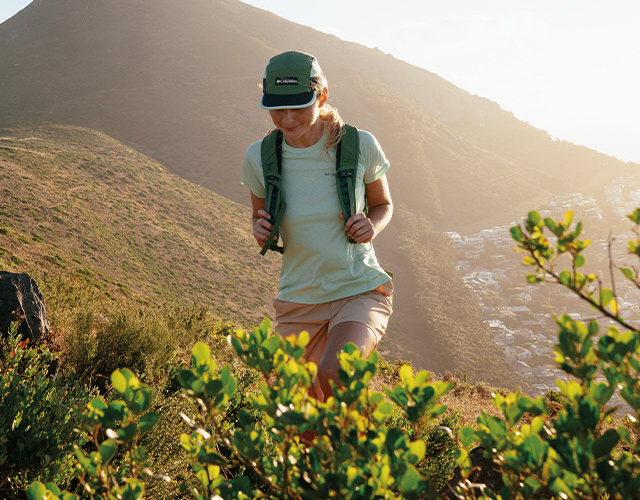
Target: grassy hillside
76,199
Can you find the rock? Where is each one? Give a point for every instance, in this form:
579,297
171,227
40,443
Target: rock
21,300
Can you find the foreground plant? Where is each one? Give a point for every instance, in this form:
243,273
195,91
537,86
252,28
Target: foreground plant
36,417
579,453
354,455
254,449
114,430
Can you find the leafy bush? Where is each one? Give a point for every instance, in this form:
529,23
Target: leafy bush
354,454
122,422
579,453
36,420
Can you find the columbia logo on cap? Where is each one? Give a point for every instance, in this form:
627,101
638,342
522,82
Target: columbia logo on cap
290,80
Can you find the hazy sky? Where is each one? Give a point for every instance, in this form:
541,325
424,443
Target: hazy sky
570,67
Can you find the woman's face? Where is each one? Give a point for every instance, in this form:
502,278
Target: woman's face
301,127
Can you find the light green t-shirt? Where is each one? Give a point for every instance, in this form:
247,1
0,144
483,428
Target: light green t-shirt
319,264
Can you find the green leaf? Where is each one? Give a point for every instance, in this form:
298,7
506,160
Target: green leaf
467,436
383,412
635,216
271,345
602,393
303,338
578,261
36,491
139,455
625,436
107,450
565,278
119,382
132,490
417,449
578,230
148,421
349,348
550,223
629,274
534,218
605,444
534,279
292,417
406,375
96,406
200,353
265,326
513,414
410,479
213,458
128,433
568,217
606,296
535,449
236,344
141,400
516,233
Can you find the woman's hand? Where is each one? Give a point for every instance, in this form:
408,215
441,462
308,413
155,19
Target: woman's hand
262,227
363,228
359,228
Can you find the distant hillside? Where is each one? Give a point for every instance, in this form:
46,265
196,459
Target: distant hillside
177,80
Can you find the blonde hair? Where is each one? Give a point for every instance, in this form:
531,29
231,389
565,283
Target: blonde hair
334,124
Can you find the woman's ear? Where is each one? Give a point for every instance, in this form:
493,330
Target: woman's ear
322,99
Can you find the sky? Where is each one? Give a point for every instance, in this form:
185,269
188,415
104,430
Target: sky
570,67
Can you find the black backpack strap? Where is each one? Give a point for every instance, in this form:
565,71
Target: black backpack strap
347,153
271,152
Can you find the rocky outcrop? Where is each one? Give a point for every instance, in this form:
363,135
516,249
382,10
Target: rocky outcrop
22,301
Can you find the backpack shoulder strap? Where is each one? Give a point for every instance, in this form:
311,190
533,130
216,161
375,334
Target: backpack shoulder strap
271,156
347,153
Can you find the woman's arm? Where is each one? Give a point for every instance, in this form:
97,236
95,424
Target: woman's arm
364,228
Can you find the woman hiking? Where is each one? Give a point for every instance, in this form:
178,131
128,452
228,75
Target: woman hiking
331,284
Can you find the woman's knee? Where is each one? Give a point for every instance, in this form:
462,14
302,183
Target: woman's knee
328,368
353,332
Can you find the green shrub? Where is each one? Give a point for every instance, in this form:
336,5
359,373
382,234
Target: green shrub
36,421
354,453
114,469
239,451
101,336
579,453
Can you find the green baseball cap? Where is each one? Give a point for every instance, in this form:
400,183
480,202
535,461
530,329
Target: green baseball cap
287,81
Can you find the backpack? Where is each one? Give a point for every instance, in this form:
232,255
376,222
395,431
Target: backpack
347,152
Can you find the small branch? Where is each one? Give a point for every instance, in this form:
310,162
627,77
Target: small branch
591,301
610,241
274,489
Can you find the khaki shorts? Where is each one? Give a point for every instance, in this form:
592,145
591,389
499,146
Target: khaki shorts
372,309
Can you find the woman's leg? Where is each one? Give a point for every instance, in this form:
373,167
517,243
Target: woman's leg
340,335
